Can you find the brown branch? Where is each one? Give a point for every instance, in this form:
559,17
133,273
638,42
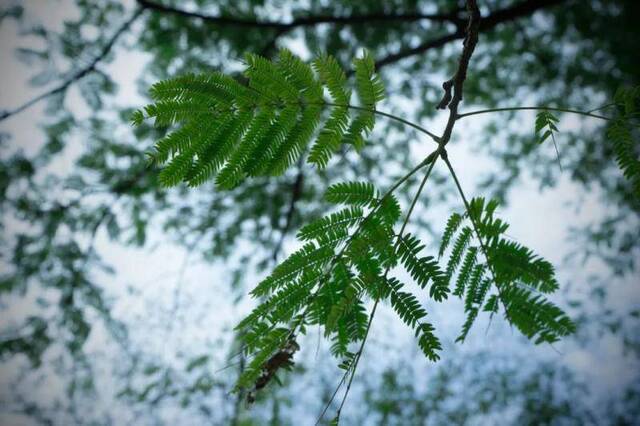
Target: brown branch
306,20
452,101
79,74
520,10
457,81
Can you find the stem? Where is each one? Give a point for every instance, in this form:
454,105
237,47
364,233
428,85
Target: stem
358,108
355,363
475,230
600,108
532,108
391,116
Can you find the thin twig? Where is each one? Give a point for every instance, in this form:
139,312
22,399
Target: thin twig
78,75
533,108
483,246
390,116
451,101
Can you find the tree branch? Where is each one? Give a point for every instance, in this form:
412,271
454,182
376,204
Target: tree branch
305,21
520,10
79,74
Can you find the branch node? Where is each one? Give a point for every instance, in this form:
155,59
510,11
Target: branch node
446,98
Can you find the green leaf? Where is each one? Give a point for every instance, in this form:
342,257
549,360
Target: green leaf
453,223
351,193
231,131
423,269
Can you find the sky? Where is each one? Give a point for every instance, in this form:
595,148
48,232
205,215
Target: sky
163,281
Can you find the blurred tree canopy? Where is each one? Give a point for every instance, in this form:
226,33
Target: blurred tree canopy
90,179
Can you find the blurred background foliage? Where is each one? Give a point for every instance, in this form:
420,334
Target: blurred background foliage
85,187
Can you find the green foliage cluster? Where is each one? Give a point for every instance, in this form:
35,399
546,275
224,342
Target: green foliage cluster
347,258
352,255
232,130
519,277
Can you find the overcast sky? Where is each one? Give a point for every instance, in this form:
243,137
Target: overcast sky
147,282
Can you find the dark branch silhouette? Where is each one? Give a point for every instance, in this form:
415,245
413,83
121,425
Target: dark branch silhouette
520,10
307,20
79,74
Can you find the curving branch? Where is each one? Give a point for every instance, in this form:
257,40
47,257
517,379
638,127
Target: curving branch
305,21
489,22
79,74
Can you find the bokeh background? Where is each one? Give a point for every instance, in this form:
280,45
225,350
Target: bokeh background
118,297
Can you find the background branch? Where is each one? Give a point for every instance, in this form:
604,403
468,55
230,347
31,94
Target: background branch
520,10
79,74
363,19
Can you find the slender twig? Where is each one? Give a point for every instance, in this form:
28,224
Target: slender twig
605,106
555,145
390,116
237,405
453,101
177,290
354,107
483,245
532,108
78,75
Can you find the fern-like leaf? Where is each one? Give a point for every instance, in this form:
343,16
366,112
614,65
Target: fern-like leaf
342,220
423,269
311,255
465,271
351,193
428,341
545,127
536,317
411,313
231,131
405,304
458,250
453,223
509,265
